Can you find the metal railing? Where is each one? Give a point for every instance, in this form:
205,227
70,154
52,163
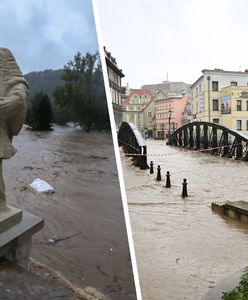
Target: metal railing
214,138
132,142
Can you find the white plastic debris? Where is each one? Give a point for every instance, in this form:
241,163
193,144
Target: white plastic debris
51,242
41,186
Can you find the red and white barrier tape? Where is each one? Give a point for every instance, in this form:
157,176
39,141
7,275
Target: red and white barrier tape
175,153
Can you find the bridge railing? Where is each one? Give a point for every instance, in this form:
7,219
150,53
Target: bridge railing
212,137
132,142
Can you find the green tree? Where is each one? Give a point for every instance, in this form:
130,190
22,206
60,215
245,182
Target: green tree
82,98
39,115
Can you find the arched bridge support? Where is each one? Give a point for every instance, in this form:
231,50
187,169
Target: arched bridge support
213,138
132,142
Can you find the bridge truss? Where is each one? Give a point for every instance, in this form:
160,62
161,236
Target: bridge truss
214,138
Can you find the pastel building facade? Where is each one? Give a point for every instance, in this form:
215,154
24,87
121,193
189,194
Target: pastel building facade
133,107
169,112
220,96
235,108
148,112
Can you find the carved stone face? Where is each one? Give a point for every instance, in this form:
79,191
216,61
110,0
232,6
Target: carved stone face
13,95
8,65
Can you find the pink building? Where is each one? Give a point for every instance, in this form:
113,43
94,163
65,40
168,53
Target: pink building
168,113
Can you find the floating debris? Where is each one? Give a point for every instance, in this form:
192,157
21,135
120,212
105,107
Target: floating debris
41,186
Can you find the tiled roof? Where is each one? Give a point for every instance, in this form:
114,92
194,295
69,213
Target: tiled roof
139,92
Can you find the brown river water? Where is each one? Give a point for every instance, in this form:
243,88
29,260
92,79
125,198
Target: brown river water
85,211
183,249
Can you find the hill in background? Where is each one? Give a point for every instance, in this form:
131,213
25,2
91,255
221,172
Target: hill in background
44,81
168,87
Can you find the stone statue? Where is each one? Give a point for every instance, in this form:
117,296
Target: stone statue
13,95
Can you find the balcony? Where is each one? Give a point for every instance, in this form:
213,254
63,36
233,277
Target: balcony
226,110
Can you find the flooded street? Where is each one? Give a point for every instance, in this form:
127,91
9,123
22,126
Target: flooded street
85,211
183,248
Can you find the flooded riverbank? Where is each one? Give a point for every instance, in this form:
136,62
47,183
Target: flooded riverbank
85,211
183,248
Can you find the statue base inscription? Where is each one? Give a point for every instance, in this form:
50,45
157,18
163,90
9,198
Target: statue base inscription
9,216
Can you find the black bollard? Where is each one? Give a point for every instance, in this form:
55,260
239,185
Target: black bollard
151,168
168,182
184,192
159,174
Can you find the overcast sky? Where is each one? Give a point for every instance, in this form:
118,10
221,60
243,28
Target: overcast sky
46,34
151,38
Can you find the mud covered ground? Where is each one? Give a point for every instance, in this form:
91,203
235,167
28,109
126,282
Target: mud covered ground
85,212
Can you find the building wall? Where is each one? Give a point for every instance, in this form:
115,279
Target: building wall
201,94
149,118
169,107
115,74
235,106
133,107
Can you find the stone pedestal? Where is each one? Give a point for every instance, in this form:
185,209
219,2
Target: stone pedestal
16,231
9,216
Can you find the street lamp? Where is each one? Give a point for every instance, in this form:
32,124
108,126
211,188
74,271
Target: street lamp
162,127
208,78
169,126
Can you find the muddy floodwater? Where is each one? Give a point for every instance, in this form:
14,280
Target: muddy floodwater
85,212
183,249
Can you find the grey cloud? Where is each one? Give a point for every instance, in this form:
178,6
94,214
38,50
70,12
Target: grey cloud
46,34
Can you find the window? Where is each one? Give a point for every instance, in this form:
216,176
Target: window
199,89
215,104
149,114
216,121
196,91
246,124
239,105
239,124
246,105
215,86
234,83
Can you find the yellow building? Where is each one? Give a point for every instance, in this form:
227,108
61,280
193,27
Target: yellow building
148,114
216,97
234,107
